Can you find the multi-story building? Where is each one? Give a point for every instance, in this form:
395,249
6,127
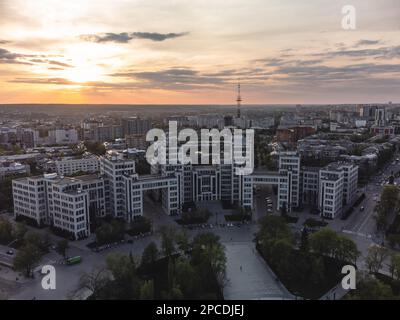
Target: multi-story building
137,141
71,165
310,185
135,125
69,204
12,168
331,191
72,204
114,166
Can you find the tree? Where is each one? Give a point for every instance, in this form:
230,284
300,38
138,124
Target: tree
395,266
27,258
150,254
282,251
324,242
273,228
20,230
389,201
375,258
304,243
346,250
6,231
40,241
147,290
186,278
209,253
182,241
126,283
95,281
96,148
62,247
110,232
167,241
370,288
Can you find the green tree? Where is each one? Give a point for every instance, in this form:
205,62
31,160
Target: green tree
272,229
375,258
150,254
126,283
40,241
96,282
147,290
96,148
346,250
62,247
186,278
389,202
6,231
324,242
209,253
182,240
20,230
395,266
370,288
167,241
27,258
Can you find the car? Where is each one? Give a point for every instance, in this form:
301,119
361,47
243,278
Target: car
269,210
10,252
362,209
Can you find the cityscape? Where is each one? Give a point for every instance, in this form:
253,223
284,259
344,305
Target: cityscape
125,174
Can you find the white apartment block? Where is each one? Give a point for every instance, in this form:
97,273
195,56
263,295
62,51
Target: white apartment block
69,204
289,188
30,199
310,185
337,188
114,166
71,165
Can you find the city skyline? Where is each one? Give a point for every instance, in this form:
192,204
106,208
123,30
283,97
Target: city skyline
283,52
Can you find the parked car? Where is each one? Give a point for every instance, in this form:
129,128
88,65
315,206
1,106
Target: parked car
362,209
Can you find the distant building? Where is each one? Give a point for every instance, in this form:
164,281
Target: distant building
137,141
135,125
71,165
11,168
291,134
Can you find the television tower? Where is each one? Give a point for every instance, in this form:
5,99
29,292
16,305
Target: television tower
239,101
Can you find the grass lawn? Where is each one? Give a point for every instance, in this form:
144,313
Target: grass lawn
302,284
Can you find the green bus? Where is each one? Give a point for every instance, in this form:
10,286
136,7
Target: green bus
74,260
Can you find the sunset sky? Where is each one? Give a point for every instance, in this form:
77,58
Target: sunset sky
194,52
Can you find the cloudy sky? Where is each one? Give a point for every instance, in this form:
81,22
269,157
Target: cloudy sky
181,51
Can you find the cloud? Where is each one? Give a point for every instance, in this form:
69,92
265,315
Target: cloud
4,41
366,42
59,81
125,37
7,57
175,78
52,62
379,53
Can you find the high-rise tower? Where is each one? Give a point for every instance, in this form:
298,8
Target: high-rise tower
239,101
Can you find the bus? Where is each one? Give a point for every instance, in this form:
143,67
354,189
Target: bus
74,260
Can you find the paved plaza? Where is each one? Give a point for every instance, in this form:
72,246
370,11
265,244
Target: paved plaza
249,278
